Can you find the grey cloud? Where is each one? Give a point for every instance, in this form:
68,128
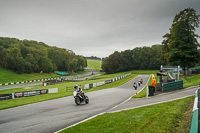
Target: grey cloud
91,27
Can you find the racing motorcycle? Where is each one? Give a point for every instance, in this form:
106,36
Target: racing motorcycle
80,97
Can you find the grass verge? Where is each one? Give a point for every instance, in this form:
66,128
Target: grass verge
94,64
190,80
9,76
172,117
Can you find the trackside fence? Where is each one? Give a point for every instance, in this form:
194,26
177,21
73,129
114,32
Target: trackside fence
195,125
171,86
27,93
89,86
30,81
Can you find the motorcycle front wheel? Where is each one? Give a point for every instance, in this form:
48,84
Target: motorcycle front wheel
77,101
86,100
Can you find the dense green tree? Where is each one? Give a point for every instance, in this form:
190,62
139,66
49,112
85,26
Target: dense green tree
112,63
105,64
139,58
165,48
32,56
4,57
93,58
126,60
181,45
81,63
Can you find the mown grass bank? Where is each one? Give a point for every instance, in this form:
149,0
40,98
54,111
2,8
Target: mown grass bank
9,76
191,80
170,117
94,64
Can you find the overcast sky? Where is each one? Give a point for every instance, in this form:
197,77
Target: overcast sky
91,27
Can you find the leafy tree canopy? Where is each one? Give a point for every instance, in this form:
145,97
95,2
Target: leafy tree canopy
24,56
180,46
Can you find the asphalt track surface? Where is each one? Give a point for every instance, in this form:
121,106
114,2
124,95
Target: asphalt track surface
53,115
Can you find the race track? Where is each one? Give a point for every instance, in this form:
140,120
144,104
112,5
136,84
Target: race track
53,115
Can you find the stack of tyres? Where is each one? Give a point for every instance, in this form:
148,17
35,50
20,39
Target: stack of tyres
151,90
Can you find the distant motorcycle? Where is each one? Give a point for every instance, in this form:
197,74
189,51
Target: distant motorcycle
139,83
79,96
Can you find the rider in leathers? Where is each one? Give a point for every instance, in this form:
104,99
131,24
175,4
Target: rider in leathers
76,88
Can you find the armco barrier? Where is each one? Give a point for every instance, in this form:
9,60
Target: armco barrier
94,84
100,83
88,86
195,125
176,85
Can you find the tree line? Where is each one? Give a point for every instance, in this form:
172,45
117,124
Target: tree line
179,47
140,58
93,58
24,56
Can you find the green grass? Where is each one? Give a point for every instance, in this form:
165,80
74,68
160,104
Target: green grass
190,80
145,72
61,90
167,117
94,64
9,76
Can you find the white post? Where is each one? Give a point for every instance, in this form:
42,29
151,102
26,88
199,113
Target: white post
147,91
178,72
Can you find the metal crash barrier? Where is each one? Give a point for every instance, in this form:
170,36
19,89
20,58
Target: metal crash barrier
195,125
170,86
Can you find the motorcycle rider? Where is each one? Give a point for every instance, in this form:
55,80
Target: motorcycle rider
139,83
76,88
135,85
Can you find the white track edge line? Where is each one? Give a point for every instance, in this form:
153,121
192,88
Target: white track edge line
131,96
151,104
80,122
100,113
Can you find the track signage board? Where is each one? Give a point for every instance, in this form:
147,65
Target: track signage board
5,96
30,93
